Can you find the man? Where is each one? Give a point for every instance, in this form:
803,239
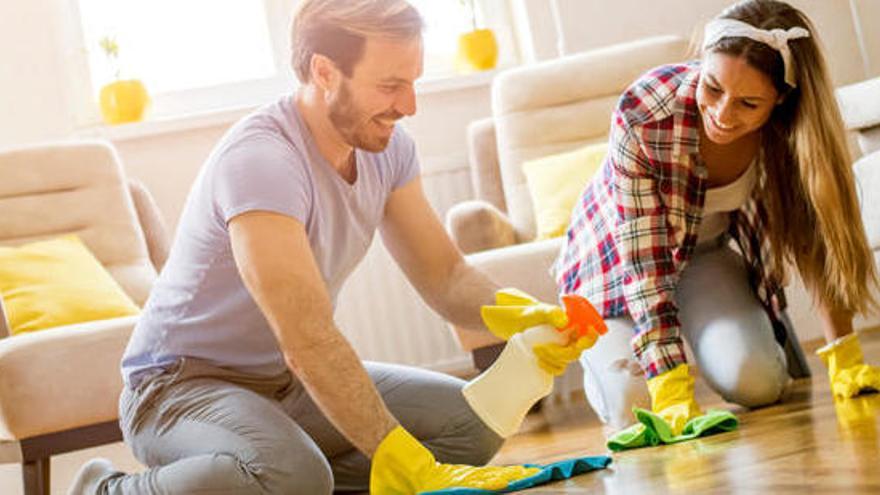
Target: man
236,378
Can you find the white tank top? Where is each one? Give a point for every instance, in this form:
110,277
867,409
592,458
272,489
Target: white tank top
722,200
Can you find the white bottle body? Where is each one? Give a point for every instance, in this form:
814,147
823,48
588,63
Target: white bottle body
503,394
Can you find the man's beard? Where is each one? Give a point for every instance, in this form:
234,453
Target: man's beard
353,125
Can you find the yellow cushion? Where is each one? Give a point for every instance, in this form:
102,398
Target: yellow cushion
57,282
555,183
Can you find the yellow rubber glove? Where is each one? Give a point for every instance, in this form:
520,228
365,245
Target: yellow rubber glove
403,466
515,311
847,372
554,358
672,397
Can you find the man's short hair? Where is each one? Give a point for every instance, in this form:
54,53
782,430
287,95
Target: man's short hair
338,29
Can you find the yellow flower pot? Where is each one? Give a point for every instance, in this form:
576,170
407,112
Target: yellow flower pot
124,101
477,50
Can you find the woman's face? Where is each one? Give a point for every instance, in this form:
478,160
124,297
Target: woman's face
734,98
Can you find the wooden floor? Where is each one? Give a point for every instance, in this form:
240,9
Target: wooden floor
806,444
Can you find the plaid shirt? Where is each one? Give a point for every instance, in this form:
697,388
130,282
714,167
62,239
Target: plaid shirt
635,226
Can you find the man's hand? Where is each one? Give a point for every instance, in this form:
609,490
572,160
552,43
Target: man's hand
403,466
515,311
554,358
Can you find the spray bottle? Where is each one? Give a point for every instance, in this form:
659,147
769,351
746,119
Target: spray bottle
503,394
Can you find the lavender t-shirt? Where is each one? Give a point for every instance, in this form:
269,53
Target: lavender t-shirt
199,306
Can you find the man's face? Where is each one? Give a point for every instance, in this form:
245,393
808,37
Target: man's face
734,98
380,91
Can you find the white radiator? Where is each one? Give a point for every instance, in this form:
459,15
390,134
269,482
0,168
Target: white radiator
383,316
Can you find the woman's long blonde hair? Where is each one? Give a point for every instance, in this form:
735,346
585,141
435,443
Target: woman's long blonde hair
809,193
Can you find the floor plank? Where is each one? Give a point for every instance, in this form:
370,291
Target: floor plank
805,444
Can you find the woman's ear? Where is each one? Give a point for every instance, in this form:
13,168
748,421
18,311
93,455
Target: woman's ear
781,99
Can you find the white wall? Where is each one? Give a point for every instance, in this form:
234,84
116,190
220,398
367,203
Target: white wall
589,24
32,78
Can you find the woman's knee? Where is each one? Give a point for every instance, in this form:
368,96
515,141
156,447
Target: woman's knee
754,380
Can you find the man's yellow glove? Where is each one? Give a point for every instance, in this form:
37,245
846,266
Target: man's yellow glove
672,397
515,311
554,358
847,372
403,466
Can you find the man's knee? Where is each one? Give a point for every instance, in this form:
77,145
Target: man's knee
465,439
291,470
486,443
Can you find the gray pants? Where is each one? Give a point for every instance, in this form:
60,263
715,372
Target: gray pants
207,430
728,330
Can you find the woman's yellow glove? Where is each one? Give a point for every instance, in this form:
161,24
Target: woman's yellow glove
403,466
515,311
847,372
672,397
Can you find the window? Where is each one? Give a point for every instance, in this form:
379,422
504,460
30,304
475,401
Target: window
202,55
173,45
445,20
192,55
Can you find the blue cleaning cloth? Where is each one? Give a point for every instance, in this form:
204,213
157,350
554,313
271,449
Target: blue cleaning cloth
551,472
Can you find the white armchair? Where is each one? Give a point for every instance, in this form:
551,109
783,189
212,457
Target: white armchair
59,387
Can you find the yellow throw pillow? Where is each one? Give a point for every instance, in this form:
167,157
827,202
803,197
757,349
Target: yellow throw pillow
555,183
57,282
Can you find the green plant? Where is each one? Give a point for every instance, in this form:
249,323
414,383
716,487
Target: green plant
111,51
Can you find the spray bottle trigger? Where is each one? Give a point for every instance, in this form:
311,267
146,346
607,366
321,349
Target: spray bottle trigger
582,316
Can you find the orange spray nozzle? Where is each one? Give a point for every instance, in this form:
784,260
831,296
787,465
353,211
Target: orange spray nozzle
582,316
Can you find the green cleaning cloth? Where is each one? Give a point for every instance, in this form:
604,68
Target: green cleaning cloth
551,472
652,430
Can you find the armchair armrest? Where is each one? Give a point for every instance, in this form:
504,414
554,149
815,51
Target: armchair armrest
61,378
482,145
477,226
860,109
867,172
152,224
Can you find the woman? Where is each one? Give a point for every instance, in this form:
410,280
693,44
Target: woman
721,173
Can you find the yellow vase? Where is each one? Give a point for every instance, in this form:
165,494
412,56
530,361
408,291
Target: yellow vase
124,101
477,50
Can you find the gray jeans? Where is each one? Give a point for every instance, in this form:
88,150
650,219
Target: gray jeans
728,330
206,430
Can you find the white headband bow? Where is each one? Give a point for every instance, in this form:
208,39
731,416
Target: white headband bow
775,38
